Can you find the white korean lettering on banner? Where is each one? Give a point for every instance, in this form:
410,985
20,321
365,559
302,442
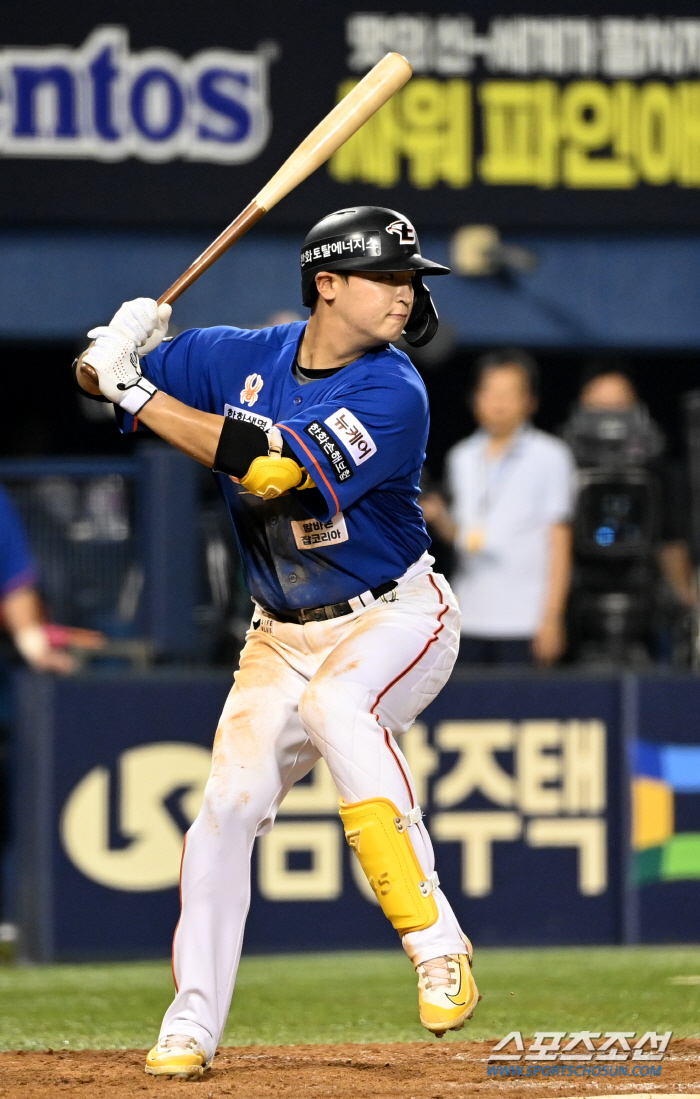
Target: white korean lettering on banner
354,436
102,102
314,534
522,45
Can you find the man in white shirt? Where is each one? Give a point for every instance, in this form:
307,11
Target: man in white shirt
512,491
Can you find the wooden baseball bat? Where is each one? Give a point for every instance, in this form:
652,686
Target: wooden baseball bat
372,92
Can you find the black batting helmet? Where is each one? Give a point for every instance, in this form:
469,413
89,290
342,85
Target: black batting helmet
372,238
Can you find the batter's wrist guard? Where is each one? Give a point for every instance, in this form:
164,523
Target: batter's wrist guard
378,834
137,395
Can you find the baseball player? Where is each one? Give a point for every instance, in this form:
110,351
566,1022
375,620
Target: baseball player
316,433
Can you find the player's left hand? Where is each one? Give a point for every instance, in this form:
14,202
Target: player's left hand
143,321
549,642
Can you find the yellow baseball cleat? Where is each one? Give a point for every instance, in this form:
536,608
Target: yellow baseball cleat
178,1056
447,992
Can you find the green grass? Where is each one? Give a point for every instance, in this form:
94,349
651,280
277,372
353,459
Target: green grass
359,997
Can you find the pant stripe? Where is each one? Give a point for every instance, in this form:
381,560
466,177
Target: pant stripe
421,654
387,741
182,860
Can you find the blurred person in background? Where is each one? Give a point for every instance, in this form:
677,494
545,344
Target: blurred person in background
40,645
606,389
21,608
511,488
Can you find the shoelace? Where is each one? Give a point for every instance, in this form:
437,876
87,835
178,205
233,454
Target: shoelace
438,972
178,1041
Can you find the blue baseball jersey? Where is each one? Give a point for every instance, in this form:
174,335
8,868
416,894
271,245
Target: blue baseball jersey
361,434
16,564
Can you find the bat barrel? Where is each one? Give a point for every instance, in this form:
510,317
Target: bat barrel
372,92
346,118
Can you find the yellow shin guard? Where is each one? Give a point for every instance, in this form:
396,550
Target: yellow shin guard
379,837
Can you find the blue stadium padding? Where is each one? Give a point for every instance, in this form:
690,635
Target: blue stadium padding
597,290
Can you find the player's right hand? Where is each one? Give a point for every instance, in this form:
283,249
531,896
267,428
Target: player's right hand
143,321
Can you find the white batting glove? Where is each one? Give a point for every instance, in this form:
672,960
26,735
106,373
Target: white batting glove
143,321
118,369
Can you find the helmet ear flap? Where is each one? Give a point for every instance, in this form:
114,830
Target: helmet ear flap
423,321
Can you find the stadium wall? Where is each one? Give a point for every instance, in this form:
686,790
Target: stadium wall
637,290
532,787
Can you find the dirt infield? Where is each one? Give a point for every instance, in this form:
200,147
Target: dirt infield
420,1070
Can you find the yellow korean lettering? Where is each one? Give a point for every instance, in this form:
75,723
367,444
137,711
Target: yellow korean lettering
587,128
657,133
521,132
428,123
688,128
436,132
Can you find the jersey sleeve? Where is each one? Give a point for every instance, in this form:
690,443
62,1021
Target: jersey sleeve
16,565
361,439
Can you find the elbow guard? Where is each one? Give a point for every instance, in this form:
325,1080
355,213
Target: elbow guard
259,460
274,474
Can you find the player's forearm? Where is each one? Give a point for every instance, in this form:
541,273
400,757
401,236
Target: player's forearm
677,567
23,617
194,432
21,608
559,579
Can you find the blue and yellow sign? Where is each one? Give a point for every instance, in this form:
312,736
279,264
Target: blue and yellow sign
662,774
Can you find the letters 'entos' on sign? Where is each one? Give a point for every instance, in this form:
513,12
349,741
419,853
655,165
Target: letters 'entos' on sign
103,102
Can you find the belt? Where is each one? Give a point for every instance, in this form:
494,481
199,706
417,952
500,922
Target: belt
333,610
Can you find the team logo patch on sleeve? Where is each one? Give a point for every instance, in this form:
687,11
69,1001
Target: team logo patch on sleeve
312,533
249,393
353,434
342,470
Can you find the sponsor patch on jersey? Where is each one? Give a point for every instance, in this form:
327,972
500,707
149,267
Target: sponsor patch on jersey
353,434
313,534
340,465
234,413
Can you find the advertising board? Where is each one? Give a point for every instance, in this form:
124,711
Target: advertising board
520,780
567,115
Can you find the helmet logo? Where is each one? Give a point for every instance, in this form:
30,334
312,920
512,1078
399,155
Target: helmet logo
253,385
403,230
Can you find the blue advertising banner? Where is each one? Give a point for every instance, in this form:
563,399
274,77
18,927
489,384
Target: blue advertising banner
520,779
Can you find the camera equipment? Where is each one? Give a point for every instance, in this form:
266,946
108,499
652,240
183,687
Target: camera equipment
616,534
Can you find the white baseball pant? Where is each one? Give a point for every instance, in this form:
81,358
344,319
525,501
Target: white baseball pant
341,689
